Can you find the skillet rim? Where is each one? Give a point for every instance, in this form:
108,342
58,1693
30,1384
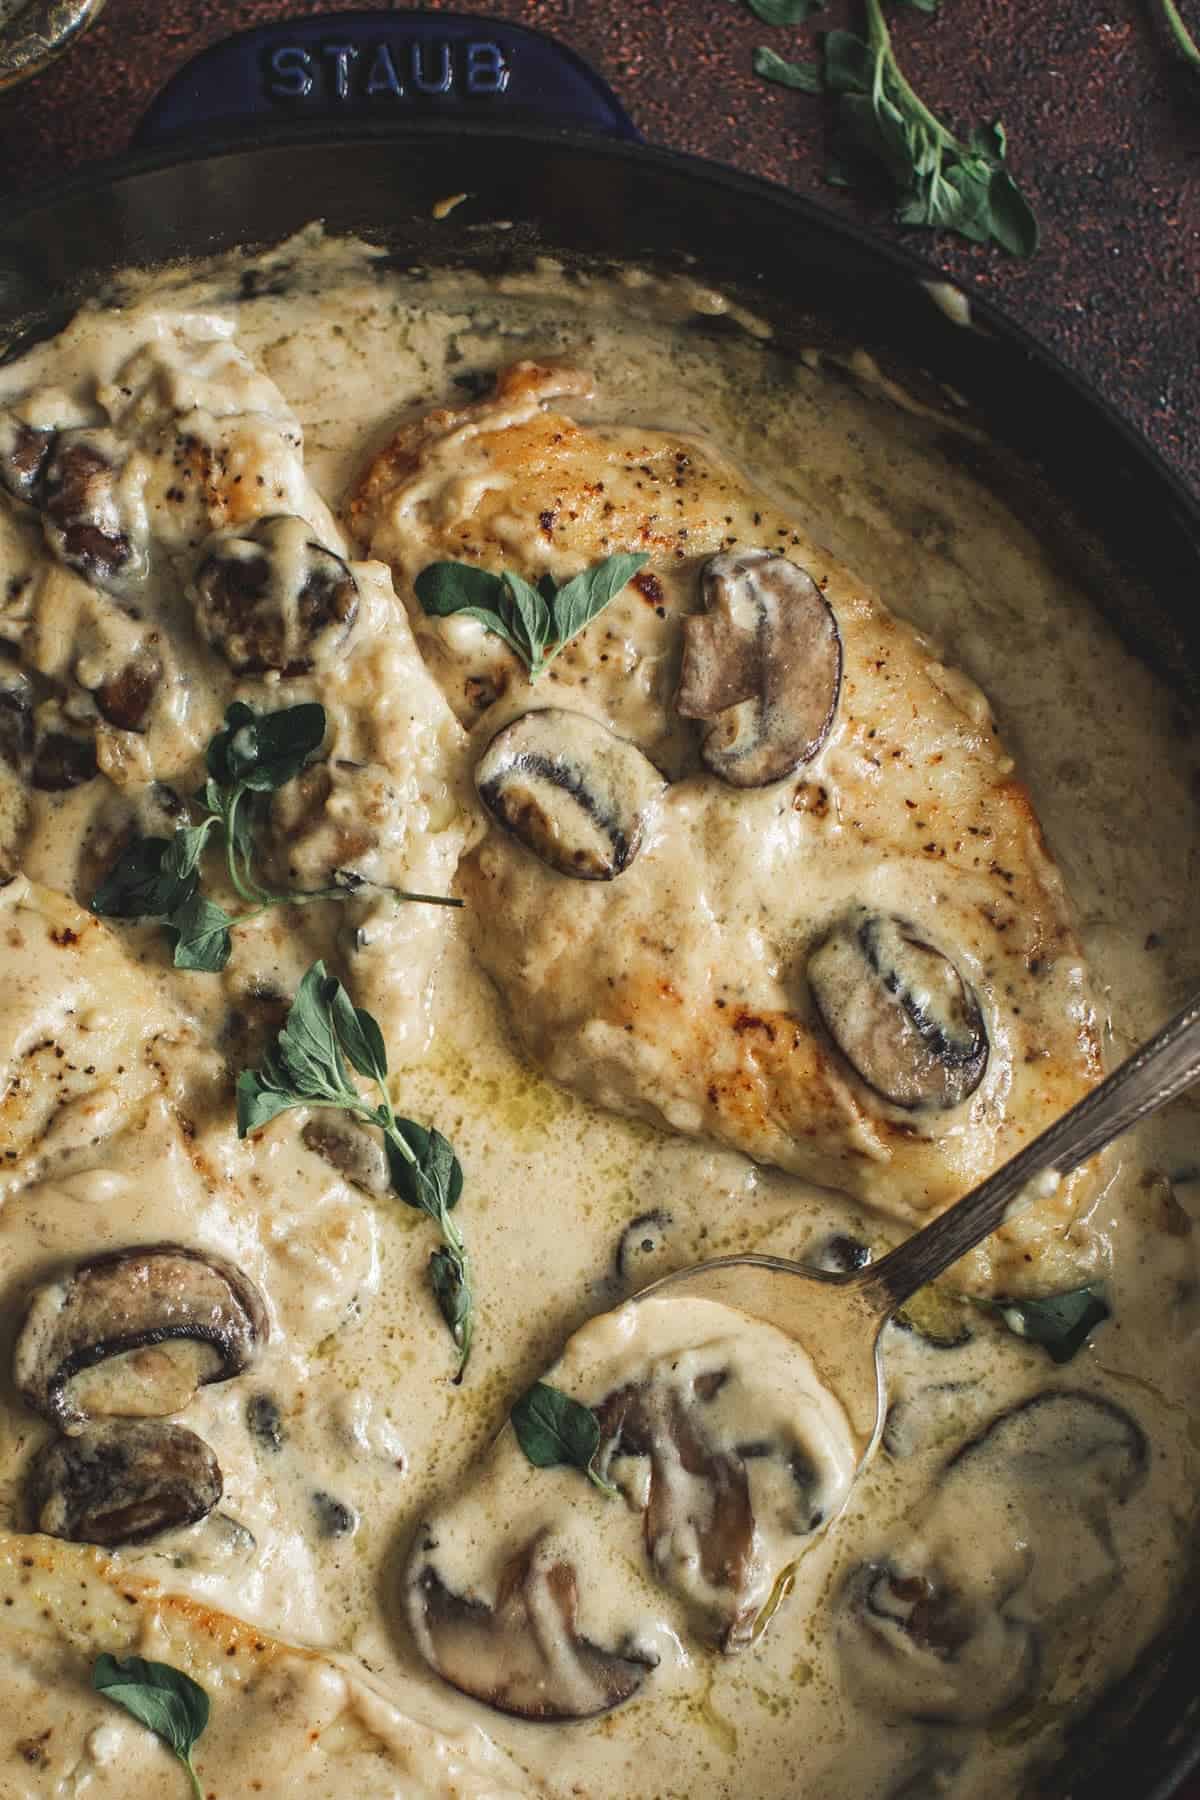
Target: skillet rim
1178,498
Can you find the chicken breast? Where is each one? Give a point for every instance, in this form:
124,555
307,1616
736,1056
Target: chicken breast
274,1705
850,954
81,1030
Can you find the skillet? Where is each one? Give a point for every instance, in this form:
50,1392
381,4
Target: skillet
367,120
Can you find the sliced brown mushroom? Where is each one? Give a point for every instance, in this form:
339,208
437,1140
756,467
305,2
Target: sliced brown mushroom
274,598
124,699
122,1484
88,521
24,451
697,1502
524,1655
350,1149
1063,1437
899,1011
702,1537
930,1416
920,1646
64,755
569,789
134,1333
762,665
935,1631
264,1421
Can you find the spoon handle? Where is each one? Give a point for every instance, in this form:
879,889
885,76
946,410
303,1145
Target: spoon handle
1167,1064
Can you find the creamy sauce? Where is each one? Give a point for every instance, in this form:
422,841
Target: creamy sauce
1061,1548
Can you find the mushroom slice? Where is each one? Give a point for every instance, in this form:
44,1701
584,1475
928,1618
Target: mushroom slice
275,598
134,1333
64,755
931,1415
763,665
88,516
698,1520
899,1011
1063,1438
24,450
570,790
1017,1541
124,699
918,1645
122,1484
524,1655
351,1150
727,1494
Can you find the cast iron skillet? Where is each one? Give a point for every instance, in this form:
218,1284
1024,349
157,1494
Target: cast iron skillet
367,120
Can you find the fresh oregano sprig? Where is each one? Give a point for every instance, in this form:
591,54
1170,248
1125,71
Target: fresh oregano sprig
1184,41
306,1066
159,878
940,182
537,623
553,1429
168,1702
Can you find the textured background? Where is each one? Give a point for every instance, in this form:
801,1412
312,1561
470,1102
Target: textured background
1104,124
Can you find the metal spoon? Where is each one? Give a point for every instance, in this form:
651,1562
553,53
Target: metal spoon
839,1318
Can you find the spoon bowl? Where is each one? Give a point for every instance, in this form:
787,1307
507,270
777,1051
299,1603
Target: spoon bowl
838,1319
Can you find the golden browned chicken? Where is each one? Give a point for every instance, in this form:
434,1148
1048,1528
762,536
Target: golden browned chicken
763,871
273,1705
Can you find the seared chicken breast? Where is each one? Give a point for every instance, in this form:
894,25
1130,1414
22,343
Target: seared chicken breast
818,921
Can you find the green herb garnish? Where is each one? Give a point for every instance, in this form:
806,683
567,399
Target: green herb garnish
804,76
305,1067
940,182
553,1429
1184,40
1060,1323
159,878
168,1702
536,623
785,12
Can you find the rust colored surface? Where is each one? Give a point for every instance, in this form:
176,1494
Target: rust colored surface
1103,121
1104,124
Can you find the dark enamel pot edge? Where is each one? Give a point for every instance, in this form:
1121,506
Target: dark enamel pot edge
1083,472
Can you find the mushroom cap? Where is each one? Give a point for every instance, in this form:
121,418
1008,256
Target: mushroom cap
1067,1435
24,450
273,597
763,665
89,518
124,699
523,1655
179,1318
957,1623
918,1646
569,789
122,1484
899,1011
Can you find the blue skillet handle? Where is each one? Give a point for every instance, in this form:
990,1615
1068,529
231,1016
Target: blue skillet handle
401,66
